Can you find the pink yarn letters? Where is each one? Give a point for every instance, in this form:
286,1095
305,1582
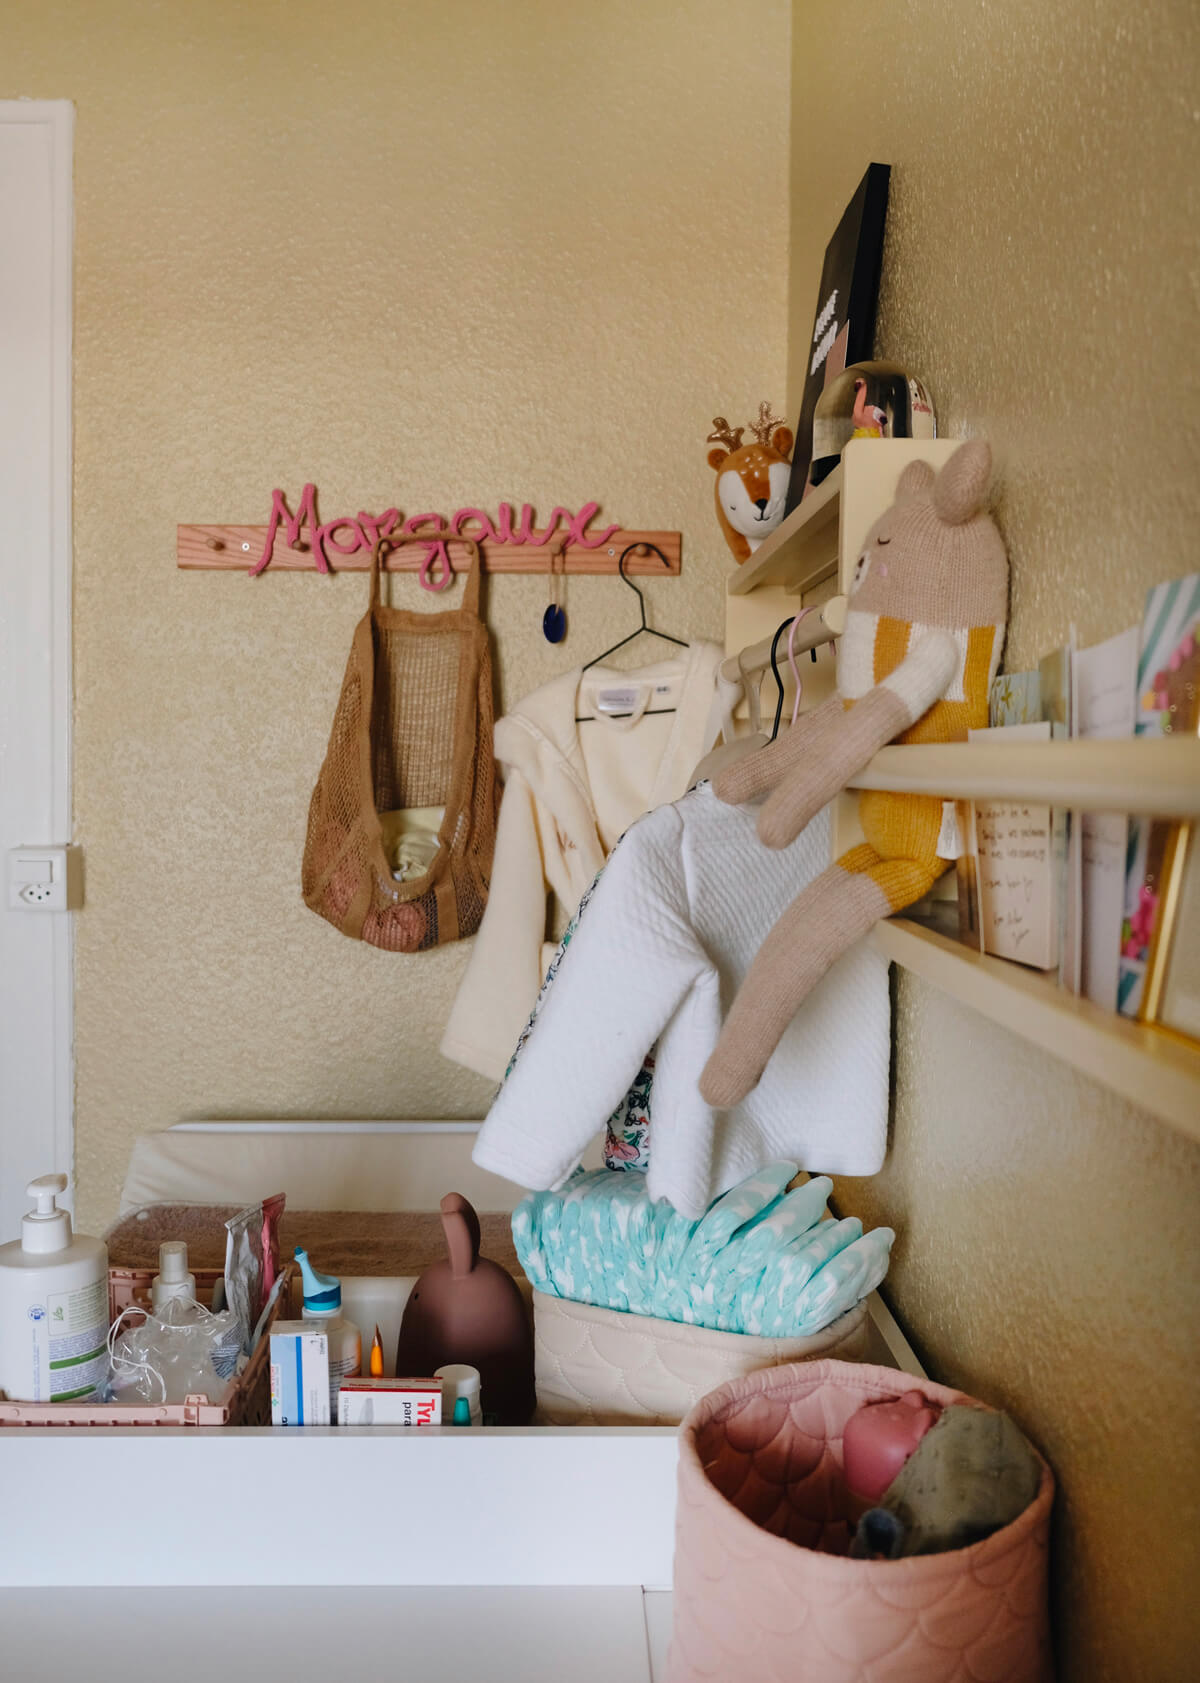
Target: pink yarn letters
346,535
281,515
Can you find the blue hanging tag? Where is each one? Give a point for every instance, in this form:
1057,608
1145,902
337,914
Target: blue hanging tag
554,623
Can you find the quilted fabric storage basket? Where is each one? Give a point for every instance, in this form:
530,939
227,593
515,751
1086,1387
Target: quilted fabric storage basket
601,1367
764,1590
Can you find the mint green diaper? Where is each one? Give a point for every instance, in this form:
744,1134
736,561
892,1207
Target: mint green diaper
760,1260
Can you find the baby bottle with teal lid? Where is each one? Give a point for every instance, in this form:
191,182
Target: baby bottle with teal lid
323,1302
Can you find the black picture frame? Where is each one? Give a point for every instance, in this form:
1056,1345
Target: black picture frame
844,322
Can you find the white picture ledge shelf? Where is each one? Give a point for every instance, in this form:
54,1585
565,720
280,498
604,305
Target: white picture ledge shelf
1146,1065
820,538
1158,777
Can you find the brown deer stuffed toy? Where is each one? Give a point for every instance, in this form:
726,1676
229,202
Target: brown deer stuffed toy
924,629
752,479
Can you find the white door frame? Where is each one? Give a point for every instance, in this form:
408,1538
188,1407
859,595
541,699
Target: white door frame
37,1076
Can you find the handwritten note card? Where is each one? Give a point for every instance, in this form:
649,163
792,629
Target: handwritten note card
1014,845
1105,680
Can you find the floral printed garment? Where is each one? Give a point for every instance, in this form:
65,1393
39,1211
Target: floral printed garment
627,1136
552,972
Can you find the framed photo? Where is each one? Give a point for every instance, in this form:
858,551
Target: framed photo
844,325
1171,997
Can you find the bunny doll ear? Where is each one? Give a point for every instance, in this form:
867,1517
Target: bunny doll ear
460,1224
917,477
963,482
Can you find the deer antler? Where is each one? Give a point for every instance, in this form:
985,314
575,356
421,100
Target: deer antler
723,433
766,424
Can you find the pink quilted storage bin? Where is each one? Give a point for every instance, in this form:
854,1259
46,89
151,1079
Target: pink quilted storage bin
765,1591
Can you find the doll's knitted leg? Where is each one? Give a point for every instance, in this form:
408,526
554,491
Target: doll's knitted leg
822,921
903,881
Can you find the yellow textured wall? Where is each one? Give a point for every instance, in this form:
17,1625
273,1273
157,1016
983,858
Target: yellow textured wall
1040,274
428,253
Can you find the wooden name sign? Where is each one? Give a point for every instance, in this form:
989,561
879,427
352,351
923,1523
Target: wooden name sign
506,544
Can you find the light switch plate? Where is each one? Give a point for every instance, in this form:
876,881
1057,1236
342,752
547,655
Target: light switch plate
43,879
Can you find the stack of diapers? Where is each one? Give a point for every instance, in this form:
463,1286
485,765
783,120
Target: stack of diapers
639,1311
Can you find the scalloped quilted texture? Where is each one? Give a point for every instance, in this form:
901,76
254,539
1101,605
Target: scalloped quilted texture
596,1366
764,1592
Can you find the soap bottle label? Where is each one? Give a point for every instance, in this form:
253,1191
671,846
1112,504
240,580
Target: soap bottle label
71,1334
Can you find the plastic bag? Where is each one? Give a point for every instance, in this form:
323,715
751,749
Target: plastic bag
182,1350
252,1261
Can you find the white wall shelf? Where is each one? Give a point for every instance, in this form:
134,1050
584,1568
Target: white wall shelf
812,553
800,552
822,536
1150,1067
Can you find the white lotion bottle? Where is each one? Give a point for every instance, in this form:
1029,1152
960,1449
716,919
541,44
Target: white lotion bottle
53,1305
323,1304
173,1288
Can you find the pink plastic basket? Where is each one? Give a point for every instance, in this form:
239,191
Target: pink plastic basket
247,1404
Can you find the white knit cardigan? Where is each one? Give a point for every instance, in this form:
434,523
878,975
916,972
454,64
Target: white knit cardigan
570,790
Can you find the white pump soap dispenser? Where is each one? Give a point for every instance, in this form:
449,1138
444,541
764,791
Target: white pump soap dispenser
53,1305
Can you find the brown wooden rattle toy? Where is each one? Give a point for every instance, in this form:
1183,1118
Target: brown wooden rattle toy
468,1309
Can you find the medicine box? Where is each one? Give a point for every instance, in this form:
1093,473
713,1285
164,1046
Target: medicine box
390,1402
299,1375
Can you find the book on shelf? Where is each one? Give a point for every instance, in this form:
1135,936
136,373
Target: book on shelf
1010,845
1166,703
1104,701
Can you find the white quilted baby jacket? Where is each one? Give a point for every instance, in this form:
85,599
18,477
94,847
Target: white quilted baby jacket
662,944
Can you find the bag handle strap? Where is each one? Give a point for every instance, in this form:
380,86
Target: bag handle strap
470,601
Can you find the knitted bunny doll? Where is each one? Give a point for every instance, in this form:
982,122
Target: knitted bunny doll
922,643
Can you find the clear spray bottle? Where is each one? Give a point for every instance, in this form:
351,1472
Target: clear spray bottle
323,1302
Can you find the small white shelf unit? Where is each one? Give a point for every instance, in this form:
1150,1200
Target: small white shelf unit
821,537
812,555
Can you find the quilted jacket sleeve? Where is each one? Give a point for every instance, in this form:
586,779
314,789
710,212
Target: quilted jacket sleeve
626,967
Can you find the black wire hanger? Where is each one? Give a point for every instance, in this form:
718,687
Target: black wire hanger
778,678
649,630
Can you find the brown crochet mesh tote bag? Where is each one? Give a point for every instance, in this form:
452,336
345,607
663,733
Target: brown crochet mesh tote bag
413,729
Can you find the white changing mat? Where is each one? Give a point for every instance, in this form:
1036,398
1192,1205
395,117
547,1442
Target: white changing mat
320,1165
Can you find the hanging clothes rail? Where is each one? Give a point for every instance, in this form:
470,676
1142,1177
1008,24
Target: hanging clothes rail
822,625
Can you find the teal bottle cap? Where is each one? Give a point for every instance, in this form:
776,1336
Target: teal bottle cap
462,1412
322,1292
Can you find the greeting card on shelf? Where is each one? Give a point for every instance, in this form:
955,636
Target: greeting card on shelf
1104,703
1013,848
1057,697
1166,702
1015,699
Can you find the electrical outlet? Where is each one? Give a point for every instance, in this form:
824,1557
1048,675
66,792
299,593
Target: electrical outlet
43,879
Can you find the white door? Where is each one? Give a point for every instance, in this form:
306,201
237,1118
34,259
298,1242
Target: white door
36,234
